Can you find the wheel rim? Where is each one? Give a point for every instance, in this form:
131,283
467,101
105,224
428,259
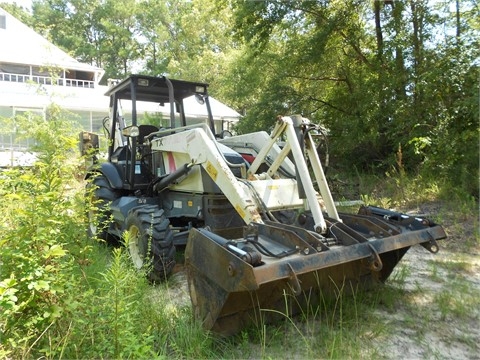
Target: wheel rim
134,246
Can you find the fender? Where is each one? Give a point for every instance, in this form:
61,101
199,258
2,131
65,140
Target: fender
110,172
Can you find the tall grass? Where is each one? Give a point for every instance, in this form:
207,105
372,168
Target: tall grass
333,326
39,220
61,294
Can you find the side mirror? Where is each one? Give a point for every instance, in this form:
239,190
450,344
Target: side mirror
131,131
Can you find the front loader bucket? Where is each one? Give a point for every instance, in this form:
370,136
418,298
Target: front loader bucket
233,282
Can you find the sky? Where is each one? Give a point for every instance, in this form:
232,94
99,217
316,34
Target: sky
23,3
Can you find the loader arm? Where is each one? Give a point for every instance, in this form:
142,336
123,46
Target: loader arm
268,149
197,145
258,193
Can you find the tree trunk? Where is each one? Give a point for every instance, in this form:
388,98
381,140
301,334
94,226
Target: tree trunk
378,30
457,9
400,72
417,20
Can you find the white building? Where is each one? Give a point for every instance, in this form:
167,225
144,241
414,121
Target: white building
35,73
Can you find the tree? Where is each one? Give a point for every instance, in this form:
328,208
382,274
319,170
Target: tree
61,22
187,40
120,43
18,11
375,74
323,65
102,33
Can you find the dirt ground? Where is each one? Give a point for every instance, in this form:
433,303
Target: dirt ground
442,317
423,328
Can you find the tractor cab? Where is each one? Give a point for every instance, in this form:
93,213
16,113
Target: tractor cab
129,131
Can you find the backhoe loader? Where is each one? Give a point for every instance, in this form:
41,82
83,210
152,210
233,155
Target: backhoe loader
260,228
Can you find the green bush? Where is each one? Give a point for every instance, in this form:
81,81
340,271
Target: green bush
61,296
39,209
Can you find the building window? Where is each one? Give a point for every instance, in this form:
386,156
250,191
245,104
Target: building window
3,22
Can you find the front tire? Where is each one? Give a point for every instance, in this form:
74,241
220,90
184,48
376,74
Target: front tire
150,242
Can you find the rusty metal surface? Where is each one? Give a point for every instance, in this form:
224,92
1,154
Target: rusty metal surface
227,293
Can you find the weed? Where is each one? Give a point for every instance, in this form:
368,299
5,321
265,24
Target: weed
40,222
383,202
434,271
399,275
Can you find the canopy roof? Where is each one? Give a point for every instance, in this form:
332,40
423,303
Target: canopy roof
30,96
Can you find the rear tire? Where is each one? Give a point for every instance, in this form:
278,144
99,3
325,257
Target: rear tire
150,242
101,195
